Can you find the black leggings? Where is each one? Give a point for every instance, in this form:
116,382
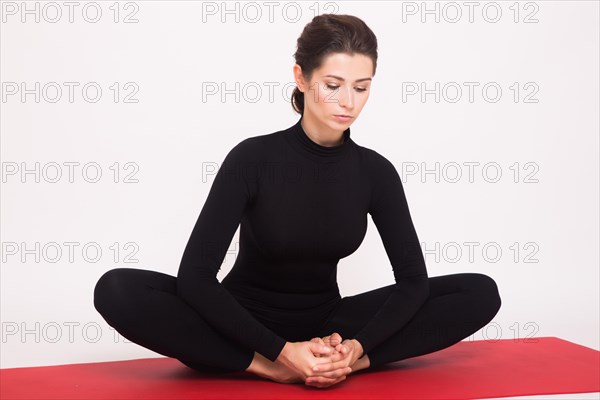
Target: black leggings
143,307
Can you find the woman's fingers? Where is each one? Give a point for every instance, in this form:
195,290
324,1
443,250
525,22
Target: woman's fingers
335,338
320,382
333,357
323,381
330,366
318,340
335,373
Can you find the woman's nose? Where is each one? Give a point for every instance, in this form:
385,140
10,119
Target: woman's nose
346,98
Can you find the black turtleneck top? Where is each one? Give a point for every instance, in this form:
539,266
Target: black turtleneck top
301,207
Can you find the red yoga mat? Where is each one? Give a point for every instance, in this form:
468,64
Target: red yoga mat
466,370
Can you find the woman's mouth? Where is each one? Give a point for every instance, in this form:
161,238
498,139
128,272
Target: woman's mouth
343,118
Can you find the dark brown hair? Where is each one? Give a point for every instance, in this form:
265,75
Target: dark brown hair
327,34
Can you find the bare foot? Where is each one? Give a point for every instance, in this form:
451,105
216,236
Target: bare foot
277,372
361,363
283,374
266,368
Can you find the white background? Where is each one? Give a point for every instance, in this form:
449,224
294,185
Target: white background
176,140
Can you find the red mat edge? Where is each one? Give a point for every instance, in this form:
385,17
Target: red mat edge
161,357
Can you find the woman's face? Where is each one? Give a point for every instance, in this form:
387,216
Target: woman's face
340,87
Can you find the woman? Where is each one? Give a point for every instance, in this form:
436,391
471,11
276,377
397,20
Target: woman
302,196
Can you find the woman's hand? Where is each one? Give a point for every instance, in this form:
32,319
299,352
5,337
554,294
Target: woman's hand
340,347
333,340
303,357
345,355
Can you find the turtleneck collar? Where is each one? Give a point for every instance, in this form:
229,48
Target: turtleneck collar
305,143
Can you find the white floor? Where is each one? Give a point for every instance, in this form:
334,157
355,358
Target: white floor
578,396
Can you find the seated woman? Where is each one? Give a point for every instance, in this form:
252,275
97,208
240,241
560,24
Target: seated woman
302,196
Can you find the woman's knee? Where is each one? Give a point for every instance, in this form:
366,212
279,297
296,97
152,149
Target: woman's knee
109,290
487,292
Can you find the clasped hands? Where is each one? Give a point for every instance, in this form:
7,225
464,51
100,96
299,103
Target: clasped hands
321,362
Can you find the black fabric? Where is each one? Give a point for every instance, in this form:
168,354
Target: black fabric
301,207
143,306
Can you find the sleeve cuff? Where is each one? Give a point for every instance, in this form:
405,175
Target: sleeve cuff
366,346
274,349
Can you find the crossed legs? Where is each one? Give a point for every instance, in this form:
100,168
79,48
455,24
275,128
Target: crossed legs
143,306
458,306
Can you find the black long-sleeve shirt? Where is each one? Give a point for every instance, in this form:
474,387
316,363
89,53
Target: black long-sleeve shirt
302,207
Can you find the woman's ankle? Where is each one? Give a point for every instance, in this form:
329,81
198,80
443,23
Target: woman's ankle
268,369
260,366
361,363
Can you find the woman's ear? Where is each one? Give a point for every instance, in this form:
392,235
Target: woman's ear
298,77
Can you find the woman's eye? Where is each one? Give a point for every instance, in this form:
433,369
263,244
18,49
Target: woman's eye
336,87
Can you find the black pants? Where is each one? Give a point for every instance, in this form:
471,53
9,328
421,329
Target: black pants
143,307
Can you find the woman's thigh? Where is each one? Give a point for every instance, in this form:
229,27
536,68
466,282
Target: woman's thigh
143,306
354,312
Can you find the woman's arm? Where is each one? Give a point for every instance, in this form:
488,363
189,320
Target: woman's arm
390,213
197,282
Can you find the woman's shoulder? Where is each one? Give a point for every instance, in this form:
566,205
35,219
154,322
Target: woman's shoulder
257,142
375,160
254,147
